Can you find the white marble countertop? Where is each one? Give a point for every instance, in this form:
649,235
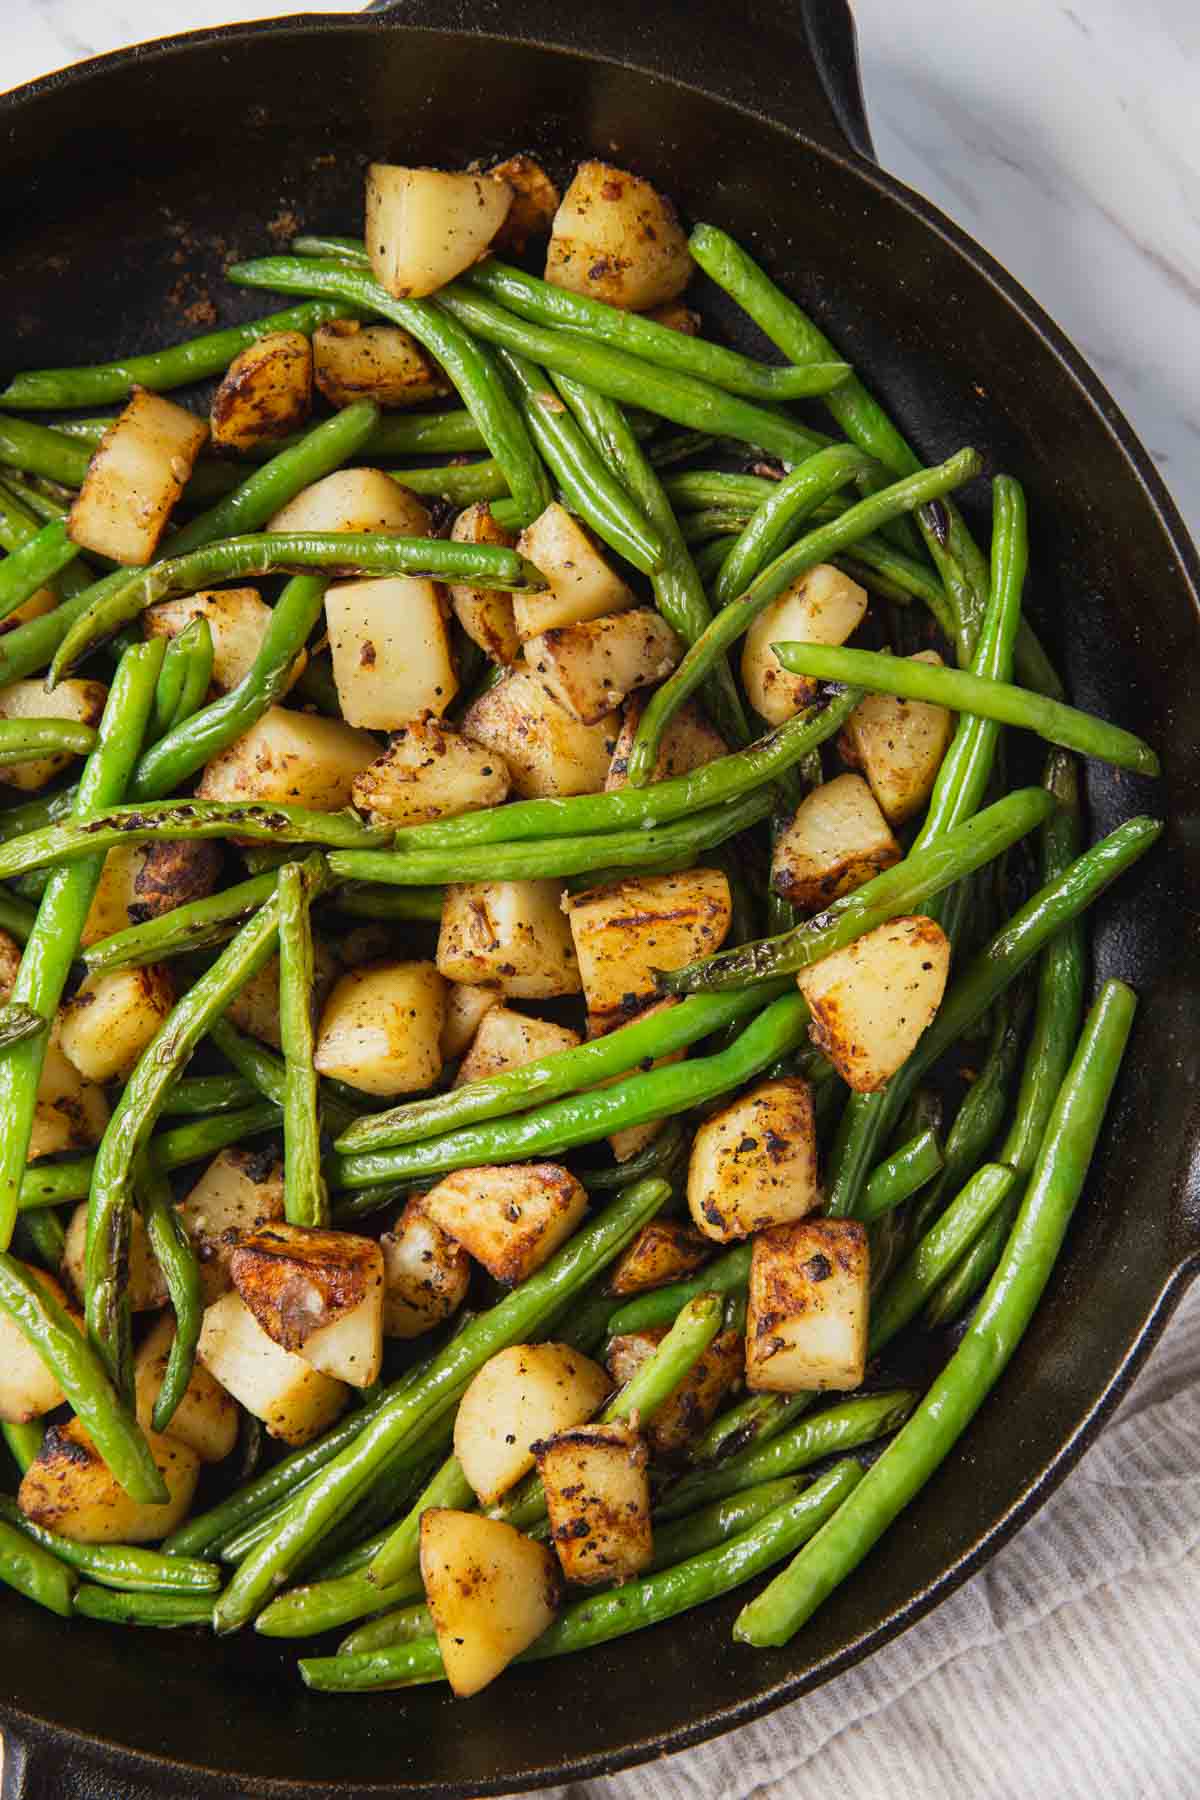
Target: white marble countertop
1066,139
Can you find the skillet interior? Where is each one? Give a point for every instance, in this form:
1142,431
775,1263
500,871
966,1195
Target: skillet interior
127,187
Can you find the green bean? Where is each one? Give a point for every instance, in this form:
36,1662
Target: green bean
305,1196
96,385
34,565
583,1119
775,520
194,650
698,529
19,1021
264,553
46,961
198,925
844,1426
598,1618
460,484
754,1420
33,1572
348,249
23,739
162,1611
399,1421
401,1626
938,1250
40,451
543,304
24,1441
106,1300
901,1175
993,1335
658,1158
659,1306
127,1566
816,546
588,485
176,1258
467,363
51,1332
712,1525
449,433
196,1096
56,1183
268,1073
261,821
367,900
678,591
901,889
950,1299
642,1397
963,692
1001,960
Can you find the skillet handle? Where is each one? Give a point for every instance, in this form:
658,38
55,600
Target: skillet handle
797,64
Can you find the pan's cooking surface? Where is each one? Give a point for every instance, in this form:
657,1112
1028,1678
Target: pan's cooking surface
160,167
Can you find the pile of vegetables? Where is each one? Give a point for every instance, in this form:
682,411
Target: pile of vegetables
595,1007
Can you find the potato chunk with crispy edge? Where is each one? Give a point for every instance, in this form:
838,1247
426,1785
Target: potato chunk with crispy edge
806,1326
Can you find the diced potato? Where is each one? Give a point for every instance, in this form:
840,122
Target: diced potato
173,872
68,1488
694,1403
425,226
373,362
28,1385
509,1219
266,392
583,585
547,752
871,1001
36,607
534,203
633,1138
590,668
319,1293
618,239
381,1028
523,1393
10,963
491,1593
70,1113
206,1419
485,614
663,1251
354,500
115,893
466,1006
512,933
238,619
426,1274
291,757
899,746
138,471
688,743
676,317
806,1326
294,1401
255,1007
627,930
507,1039
391,650
838,838
144,1285
81,701
429,771
112,1018
598,1497
239,1191
754,1163
822,606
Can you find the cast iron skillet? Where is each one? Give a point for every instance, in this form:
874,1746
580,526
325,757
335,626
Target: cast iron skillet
126,183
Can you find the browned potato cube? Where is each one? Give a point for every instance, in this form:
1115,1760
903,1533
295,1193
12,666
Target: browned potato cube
430,771
206,1419
391,650
381,1028
485,614
71,1113
598,1498
172,873
79,701
838,838
144,1285
68,1488
583,584
319,1293
491,1593
523,1393
626,931
754,1163
511,933
28,1385
618,239
112,1018
509,1219
899,746
547,752
266,392
238,1191
694,1403
255,1007
294,1401
137,473
425,226
534,204
822,606
806,1326
665,1250
238,619
373,362
507,1039
426,1274
355,500
109,911
291,757
466,1004
871,1001
590,667
676,317
688,743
